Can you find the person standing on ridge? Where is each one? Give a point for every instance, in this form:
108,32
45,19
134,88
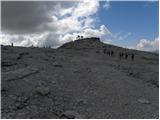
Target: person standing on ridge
132,56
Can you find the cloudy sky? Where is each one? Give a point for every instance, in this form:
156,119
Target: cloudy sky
38,23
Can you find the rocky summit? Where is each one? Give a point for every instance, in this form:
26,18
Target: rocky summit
81,79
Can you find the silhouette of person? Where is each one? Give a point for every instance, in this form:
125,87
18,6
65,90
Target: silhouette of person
112,53
120,55
104,51
108,53
126,56
78,37
12,44
132,56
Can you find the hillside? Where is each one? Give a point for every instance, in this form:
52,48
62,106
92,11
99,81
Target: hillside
78,80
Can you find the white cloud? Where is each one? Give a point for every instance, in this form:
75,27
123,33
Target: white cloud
69,37
123,37
77,17
89,21
67,11
68,24
148,45
49,40
86,8
21,40
88,32
95,32
52,39
65,24
106,5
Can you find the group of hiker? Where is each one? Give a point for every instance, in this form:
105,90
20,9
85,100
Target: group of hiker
121,54
79,37
109,53
126,55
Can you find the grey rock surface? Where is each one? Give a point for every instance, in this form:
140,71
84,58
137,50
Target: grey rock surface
76,81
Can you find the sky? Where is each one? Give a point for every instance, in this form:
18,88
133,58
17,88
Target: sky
126,24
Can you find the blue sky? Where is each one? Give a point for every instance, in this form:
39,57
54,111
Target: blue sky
139,18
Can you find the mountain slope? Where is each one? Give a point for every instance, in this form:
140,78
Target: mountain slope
78,80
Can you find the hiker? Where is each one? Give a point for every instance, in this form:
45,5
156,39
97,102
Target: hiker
81,37
104,51
12,44
78,37
132,56
126,56
120,55
108,53
112,53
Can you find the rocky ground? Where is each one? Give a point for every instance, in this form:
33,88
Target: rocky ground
78,80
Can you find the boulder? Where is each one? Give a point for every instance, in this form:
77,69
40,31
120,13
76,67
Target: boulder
143,101
56,64
42,90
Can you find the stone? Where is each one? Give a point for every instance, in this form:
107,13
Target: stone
56,64
42,90
71,115
53,82
81,101
143,101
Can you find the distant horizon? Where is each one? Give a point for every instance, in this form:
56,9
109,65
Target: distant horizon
49,47
127,24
